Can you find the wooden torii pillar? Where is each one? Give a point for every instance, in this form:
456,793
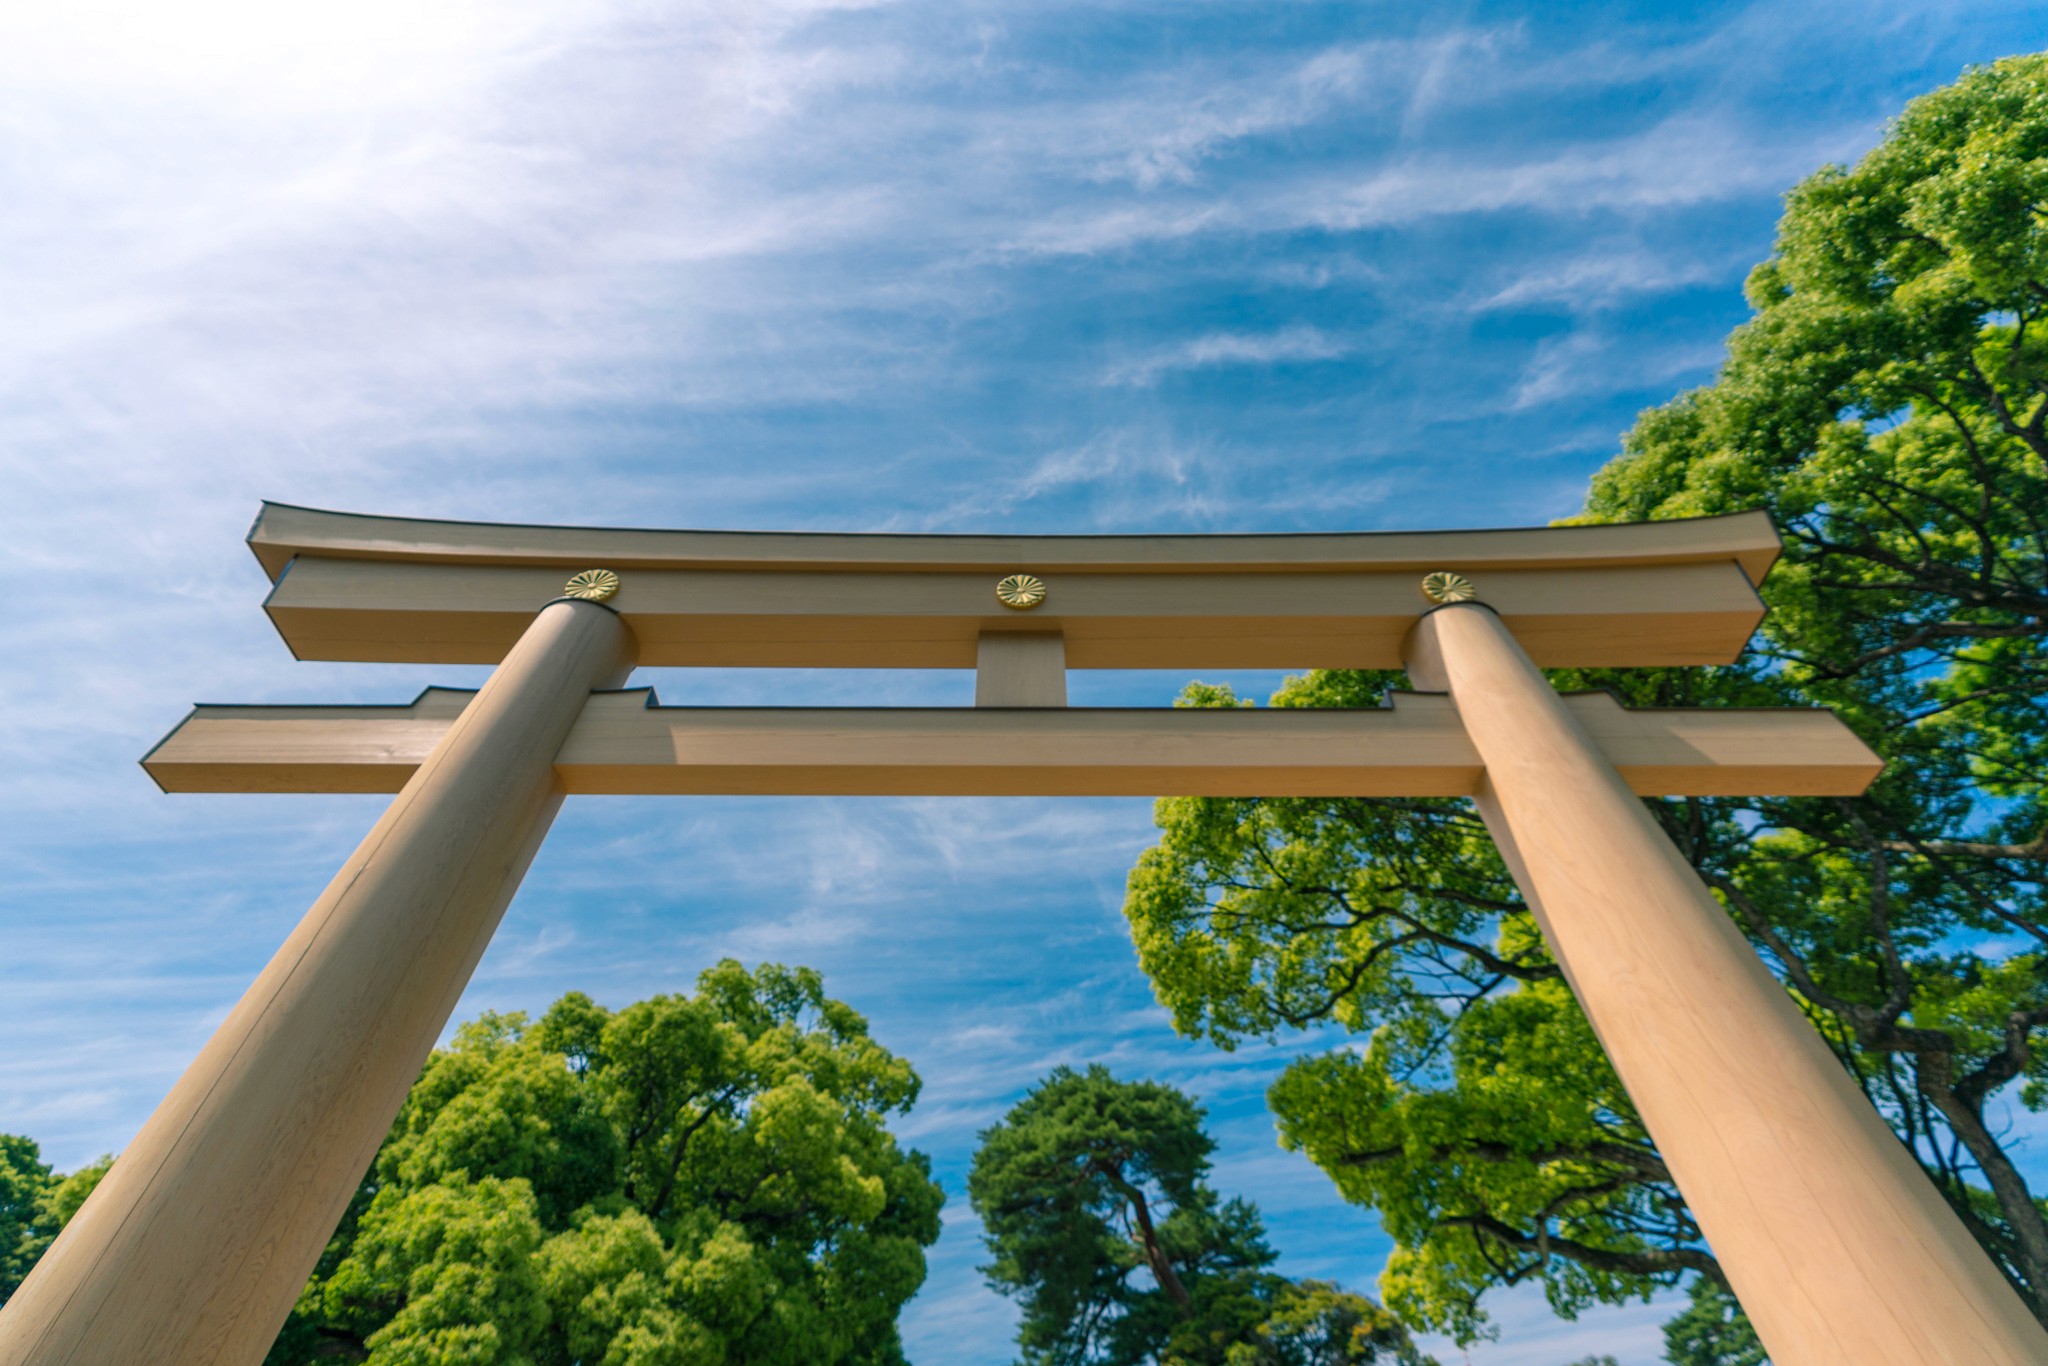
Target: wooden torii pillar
193,1249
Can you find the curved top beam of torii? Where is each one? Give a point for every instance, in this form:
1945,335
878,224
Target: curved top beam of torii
283,530
356,587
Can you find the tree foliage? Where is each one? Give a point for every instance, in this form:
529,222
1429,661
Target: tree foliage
690,1181
35,1203
1713,1331
1094,1196
1888,403
24,1182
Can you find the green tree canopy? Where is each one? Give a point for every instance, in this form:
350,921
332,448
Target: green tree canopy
1713,1331
1888,403
25,1183
690,1181
35,1202
1094,1198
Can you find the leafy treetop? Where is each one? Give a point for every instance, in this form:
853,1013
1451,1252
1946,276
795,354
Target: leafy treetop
35,1202
1094,1198
689,1181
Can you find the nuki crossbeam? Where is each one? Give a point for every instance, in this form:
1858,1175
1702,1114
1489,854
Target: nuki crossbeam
192,1250
625,742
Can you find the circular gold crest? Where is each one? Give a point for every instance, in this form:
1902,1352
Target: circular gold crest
1446,586
1021,592
592,585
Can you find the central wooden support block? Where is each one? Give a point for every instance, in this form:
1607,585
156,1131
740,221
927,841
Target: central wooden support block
625,743
1021,669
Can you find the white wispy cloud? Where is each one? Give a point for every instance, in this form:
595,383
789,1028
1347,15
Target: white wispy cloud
1214,349
1172,128
1130,476
1588,361
1687,160
1604,276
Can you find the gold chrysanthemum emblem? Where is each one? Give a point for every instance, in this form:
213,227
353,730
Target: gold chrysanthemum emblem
1021,592
592,585
1445,586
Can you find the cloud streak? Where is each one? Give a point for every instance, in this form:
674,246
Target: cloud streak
1288,345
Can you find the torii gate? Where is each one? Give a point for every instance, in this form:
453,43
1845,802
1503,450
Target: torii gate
193,1249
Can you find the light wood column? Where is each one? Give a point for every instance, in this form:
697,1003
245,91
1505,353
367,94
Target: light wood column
193,1249
1839,1247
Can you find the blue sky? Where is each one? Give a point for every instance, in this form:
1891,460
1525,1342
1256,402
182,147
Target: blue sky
923,267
